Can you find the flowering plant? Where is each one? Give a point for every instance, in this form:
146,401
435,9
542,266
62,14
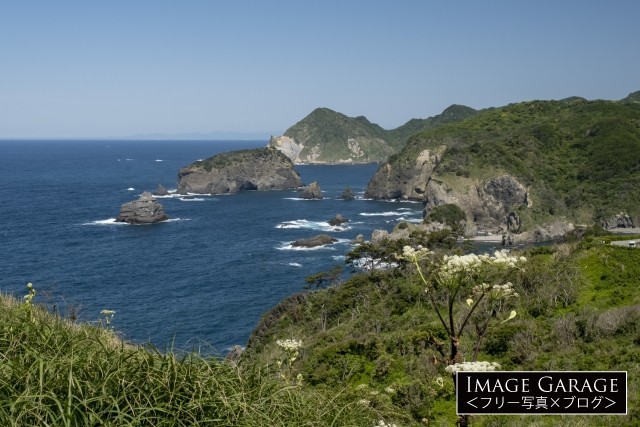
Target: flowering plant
453,278
291,349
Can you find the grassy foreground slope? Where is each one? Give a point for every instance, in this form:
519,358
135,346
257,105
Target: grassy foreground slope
54,373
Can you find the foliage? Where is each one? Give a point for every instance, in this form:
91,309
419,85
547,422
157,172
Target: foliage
577,158
450,215
248,156
331,131
54,373
379,334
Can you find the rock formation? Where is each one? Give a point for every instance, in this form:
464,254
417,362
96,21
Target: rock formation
161,191
312,242
259,169
311,191
347,194
621,220
338,220
145,210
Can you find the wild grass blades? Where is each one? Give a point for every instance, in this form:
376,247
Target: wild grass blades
55,373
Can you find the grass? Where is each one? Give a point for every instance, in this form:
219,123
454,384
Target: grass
56,373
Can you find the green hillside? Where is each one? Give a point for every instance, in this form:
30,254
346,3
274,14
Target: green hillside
575,307
326,136
577,159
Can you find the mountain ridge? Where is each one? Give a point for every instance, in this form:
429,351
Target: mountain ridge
327,136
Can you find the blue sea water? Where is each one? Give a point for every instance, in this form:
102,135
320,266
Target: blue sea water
205,276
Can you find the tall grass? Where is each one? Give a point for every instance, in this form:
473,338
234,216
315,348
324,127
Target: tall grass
54,373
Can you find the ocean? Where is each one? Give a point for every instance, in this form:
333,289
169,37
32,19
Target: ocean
201,280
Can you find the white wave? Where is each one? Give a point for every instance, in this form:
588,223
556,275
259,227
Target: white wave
131,189
110,221
313,225
288,246
177,219
192,199
159,160
388,213
295,264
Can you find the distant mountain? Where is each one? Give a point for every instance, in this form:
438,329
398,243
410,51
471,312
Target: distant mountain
326,136
203,136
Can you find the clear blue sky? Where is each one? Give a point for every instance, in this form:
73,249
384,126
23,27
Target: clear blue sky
122,67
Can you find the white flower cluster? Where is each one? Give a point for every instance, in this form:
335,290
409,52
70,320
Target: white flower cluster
453,264
382,423
502,258
497,291
414,254
472,367
290,344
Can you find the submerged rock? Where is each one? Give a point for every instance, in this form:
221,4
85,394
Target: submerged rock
312,242
145,210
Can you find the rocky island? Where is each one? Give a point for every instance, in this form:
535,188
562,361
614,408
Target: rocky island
145,210
258,169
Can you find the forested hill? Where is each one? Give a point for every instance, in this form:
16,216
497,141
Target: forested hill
326,136
573,160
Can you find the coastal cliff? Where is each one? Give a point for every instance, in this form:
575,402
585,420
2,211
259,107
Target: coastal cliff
258,169
525,167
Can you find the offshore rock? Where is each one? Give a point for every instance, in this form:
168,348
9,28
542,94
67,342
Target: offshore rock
145,210
258,169
339,219
161,191
347,194
312,242
312,191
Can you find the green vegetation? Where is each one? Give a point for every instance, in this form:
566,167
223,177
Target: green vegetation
379,333
55,373
579,159
248,156
353,351
448,214
331,131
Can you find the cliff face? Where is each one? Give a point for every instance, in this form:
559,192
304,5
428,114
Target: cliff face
260,169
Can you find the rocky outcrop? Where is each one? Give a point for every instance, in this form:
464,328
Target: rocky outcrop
491,205
408,180
288,146
312,242
259,169
347,194
161,191
338,220
621,220
311,191
145,210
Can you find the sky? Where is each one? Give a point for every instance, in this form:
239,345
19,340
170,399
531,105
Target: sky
74,69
